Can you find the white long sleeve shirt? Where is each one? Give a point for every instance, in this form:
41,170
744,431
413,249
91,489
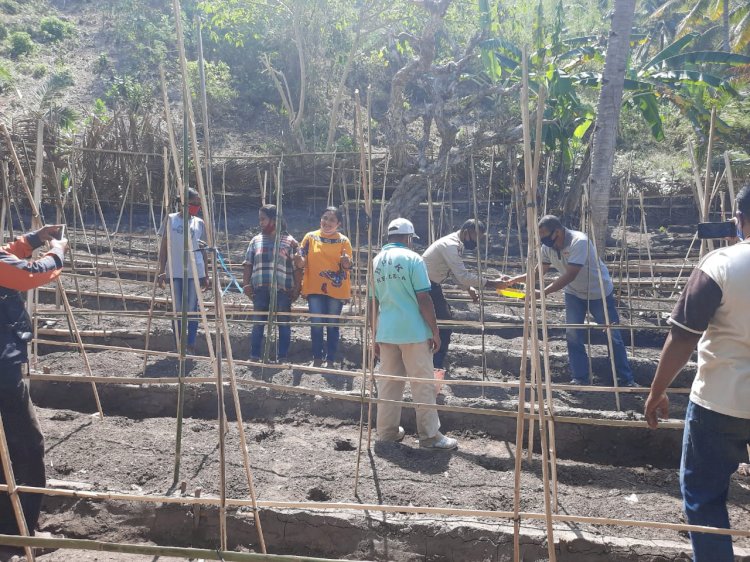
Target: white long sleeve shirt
444,257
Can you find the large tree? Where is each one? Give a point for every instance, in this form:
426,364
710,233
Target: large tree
608,116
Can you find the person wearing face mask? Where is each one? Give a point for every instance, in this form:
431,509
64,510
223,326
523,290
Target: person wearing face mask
572,254
443,258
171,261
406,336
325,256
712,313
268,267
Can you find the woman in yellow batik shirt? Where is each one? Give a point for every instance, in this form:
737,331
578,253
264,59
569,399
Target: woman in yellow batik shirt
326,257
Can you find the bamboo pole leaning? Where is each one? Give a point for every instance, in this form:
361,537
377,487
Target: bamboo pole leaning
12,490
37,220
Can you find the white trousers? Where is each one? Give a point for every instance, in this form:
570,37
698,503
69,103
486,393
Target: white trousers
411,361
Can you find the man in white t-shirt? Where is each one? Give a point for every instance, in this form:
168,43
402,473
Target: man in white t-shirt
582,277
713,312
171,261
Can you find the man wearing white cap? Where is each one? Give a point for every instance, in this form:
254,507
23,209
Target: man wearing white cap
406,336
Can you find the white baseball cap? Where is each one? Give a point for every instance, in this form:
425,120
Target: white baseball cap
401,226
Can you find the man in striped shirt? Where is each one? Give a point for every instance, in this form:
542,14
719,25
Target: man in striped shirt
18,273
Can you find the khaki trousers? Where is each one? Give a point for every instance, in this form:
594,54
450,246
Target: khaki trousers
411,361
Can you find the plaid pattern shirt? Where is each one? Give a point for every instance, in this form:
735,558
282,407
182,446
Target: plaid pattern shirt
263,266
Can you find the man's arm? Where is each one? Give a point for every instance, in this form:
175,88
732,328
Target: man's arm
247,271
458,269
427,310
520,278
676,353
21,274
570,273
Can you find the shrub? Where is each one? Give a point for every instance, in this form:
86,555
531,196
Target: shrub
102,64
53,29
3,32
39,70
6,78
20,44
9,7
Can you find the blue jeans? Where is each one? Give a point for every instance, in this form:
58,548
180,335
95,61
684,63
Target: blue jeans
192,306
575,313
713,446
323,304
262,303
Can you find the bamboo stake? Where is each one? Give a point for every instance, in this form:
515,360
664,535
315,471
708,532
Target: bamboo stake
730,179
355,507
66,304
706,200
217,294
531,282
479,268
109,242
12,490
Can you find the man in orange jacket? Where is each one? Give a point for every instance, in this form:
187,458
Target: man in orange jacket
18,272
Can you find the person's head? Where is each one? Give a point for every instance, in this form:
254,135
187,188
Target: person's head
401,231
470,233
742,214
330,220
194,202
267,219
551,232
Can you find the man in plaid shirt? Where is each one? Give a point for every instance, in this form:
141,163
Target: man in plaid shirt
268,272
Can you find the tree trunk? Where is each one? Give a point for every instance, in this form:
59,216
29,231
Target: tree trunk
725,27
607,117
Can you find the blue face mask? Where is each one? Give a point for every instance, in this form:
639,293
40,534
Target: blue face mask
740,235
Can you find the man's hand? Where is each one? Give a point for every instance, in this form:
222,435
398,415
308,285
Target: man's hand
299,261
434,342
474,294
657,406
294,294
50,232
206,283
161,280
376,350
248,290
59,244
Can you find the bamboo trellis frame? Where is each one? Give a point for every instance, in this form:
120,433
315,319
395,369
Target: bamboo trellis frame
541,385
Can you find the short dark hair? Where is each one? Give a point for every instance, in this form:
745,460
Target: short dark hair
336,211
269,211
474,225
550,223
193,194
742,200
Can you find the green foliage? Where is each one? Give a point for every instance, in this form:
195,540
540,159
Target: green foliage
9,7
3,32
53,29
6,78
129,92
39,70
219,90
102,64
20,44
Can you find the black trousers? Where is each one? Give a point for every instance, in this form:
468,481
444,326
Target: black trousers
442,312
26,447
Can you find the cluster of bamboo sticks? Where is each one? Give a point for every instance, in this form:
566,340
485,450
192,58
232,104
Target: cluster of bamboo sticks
540,406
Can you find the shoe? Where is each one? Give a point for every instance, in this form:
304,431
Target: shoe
576,382
330,364
317,362
631,384
439,443
399,437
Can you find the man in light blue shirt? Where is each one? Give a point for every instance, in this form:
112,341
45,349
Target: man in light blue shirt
406,336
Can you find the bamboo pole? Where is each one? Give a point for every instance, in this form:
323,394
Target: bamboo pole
109,242
66,304
480,272
530,284
354,507
12,490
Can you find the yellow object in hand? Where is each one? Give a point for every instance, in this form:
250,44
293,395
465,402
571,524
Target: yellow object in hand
512,293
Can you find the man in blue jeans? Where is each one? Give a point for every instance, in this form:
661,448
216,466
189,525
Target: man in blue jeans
713,312
583,275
